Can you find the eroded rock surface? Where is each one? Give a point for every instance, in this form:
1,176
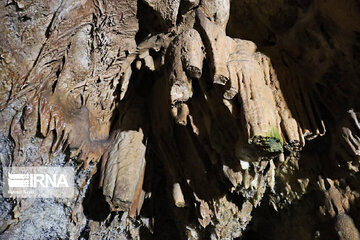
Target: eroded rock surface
183,119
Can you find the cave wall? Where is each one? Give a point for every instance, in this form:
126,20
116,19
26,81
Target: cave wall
183,119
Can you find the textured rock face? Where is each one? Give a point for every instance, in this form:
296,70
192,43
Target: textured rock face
177,125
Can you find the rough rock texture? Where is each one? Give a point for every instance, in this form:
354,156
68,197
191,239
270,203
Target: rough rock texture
183,119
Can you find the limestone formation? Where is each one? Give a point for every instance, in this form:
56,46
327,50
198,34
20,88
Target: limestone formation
183,119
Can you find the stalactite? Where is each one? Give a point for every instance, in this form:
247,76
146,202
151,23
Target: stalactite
178,122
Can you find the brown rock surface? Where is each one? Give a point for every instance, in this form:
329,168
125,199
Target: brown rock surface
183,119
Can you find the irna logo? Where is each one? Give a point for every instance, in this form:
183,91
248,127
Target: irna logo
37,180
